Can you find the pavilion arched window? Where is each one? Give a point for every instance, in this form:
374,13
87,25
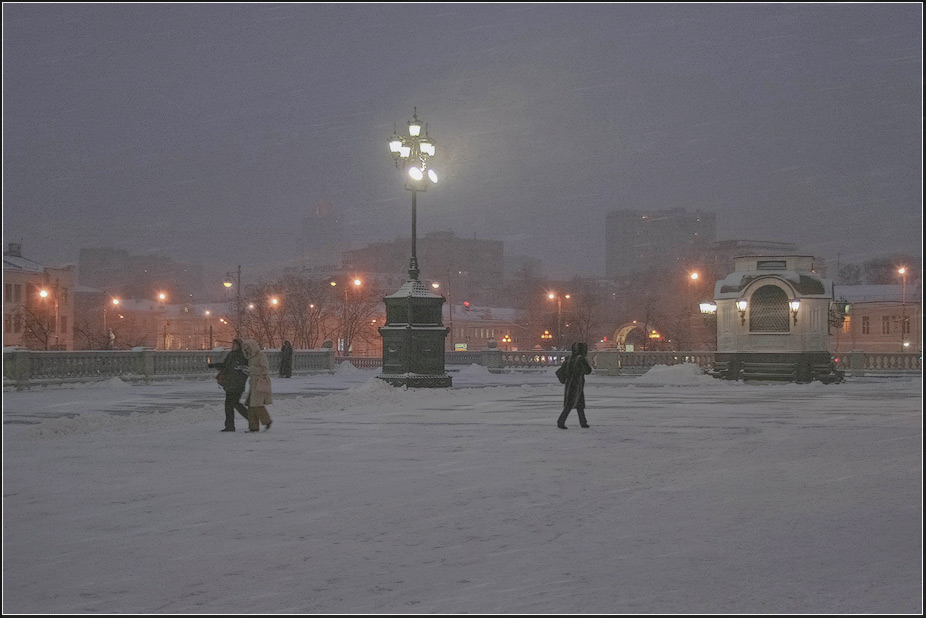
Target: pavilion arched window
768,310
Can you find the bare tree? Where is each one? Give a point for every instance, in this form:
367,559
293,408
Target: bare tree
355,309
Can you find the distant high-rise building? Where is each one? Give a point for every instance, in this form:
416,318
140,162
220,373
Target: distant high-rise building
323,235
116,271
662,239
473,267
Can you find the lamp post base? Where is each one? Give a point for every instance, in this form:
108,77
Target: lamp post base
410,380
413,338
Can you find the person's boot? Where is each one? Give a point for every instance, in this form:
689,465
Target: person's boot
229,429
582,420
561,421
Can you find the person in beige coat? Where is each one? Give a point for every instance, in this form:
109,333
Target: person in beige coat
259,395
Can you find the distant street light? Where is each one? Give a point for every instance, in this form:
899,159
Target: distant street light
436,285
559,316
106,333
229,282
692,278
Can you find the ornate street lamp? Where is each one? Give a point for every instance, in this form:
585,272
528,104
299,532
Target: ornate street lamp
412,153
414,334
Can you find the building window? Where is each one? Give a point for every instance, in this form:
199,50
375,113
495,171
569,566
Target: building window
17,292
846,325
885,325
906,325
866,325
771,265
8,293
7,323
17,323
64,324
769,310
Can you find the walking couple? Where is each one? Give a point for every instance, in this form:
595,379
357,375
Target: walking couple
245,360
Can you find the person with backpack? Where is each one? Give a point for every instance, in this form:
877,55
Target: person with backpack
572,373
233,377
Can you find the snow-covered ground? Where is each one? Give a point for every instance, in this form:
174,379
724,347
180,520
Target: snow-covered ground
686,495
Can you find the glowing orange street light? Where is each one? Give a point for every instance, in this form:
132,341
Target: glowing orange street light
559,315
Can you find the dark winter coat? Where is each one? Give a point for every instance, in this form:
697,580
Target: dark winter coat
577,368
235,378
286,360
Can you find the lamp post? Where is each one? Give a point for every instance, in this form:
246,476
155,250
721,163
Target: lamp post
229,282
350,315
692,279
44,294
559,316
106,333
162,299
412,152
414,334
902,271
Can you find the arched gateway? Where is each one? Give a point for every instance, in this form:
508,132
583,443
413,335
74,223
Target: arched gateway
637,334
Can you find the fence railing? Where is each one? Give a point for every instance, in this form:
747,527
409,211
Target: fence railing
857,361
360,362
24,368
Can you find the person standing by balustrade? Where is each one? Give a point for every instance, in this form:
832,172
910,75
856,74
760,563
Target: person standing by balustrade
286,360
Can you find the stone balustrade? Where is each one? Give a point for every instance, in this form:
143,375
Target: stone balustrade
25,368
879,362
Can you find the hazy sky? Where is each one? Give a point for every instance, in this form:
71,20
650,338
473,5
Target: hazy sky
205,131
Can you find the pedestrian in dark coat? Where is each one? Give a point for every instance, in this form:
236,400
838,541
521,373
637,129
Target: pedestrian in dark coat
233,377
286,360
577,368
